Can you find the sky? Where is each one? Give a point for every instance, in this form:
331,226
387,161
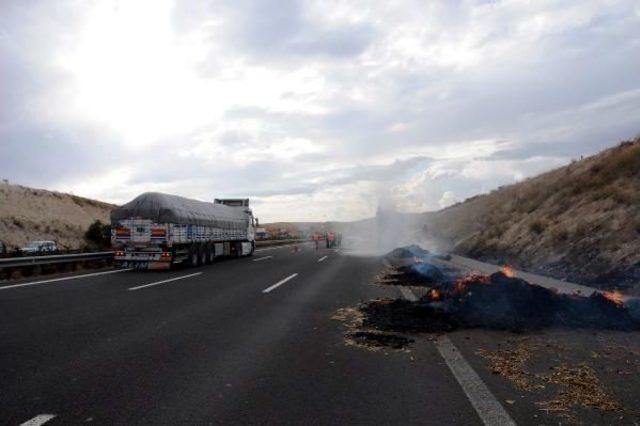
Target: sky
316,110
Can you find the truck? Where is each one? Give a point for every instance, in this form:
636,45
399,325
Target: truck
160,231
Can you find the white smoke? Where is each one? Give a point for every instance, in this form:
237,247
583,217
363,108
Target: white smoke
384,232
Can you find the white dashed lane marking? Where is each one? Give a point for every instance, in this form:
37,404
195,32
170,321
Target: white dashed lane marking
279,283
262,258
38,420
170,280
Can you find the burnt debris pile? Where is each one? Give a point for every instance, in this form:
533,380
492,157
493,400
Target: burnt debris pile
501,302
412,266
497,301
413,253
422,275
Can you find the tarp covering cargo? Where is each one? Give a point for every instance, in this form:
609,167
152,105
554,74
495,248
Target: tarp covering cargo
165,208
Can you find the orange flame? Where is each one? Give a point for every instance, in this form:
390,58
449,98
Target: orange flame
615,296
460,285
434,294
508,271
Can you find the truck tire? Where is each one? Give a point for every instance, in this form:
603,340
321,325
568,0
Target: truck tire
194,256
204,257
209,250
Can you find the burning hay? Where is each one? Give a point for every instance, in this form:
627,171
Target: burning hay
497,302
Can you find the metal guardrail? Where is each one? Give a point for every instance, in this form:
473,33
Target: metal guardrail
20,261
14,262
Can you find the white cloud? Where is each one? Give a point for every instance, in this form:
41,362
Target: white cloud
448,198
315,108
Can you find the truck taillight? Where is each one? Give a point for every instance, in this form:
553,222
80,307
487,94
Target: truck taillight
165,254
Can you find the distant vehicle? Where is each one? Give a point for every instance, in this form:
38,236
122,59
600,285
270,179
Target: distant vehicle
156,231
37,247
333,239
262,234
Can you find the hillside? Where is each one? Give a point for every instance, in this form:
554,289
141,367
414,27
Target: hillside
35,214
580,222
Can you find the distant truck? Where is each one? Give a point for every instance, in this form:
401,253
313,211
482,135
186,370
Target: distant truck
157,231
333,239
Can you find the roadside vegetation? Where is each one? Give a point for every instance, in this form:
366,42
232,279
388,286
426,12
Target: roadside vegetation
98,236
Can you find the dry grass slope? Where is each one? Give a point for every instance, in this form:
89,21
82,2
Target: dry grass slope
35,214
580,222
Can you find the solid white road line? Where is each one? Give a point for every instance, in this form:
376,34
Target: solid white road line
182,277
53,280
279,283
262,258
322,259
481,398
484,402
38,420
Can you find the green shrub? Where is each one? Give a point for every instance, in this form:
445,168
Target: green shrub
99,234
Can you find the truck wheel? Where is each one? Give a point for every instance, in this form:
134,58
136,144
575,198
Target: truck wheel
203,256
193,256
209,251
253,248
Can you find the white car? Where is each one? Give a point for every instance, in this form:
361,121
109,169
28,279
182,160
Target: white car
39,247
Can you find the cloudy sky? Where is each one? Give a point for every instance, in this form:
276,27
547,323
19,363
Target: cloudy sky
316,110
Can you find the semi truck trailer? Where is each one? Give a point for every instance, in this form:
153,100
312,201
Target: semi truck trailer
158,231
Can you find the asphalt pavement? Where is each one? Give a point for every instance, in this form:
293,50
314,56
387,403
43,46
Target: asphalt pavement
242,341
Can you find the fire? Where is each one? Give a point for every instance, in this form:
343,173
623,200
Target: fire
460,285
434,294
614,296
508,271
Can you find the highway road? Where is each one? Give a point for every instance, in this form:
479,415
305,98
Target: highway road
242,341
